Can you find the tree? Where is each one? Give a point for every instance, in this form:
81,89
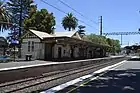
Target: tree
109,41
20,8
117,46
93,38
32,10
19,11
114,44
111,44
14,35
4,17
81,30
69,22
40,20
97,39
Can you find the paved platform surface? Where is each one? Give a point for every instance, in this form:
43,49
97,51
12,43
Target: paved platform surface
121,78
24,64
129,65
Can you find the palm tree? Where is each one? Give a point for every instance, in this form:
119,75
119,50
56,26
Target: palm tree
109,41
69,22
4,17
81,30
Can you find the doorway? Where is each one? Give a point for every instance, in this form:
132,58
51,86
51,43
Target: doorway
48,51
59,52
72,53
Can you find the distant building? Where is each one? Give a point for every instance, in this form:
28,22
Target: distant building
59,46
3,46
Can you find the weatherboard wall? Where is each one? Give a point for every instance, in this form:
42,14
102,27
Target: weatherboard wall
38,48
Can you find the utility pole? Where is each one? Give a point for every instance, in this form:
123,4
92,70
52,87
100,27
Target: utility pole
121,39
100,25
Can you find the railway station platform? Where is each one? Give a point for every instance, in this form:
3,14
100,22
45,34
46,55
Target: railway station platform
122,77
26,64
26,77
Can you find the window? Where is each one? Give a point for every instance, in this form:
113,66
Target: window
32,45
29,46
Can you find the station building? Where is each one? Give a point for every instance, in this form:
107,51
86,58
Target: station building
59,46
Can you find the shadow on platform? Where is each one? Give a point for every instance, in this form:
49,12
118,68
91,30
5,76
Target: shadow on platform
115,81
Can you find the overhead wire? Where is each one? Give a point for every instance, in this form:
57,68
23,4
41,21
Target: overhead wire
45,1
77,11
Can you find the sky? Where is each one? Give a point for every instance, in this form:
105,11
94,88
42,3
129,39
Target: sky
118,16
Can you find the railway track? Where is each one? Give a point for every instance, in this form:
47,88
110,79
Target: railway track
51,79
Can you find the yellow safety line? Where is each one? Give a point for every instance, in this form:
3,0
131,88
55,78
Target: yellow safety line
80,85
85,83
